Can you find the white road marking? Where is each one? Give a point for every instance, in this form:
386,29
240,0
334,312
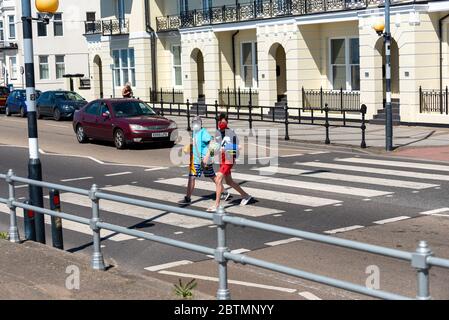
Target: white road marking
179,232
349,178
21,186
308,295
173,197
436,212
75,226
335,231
76,179
168,265
290,198
292,155
391,220
415,165
156,169
137,212
241,283
280,242
261,158
310,185
400,173
117,174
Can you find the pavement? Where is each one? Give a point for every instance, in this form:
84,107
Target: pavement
32,271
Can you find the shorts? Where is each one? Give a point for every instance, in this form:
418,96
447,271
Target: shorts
225,168
197,170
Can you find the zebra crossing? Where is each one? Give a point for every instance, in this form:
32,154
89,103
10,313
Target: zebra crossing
280,190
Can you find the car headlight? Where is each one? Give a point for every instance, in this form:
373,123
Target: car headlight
172,125
67,107
137,127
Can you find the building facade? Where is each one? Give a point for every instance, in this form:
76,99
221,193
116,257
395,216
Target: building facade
9,44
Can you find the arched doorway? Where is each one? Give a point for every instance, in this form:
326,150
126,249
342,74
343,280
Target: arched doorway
98,77
198,74
279,66
380,47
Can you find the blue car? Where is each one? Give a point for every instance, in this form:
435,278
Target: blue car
59,104
16,103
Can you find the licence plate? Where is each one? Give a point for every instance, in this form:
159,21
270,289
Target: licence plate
159,134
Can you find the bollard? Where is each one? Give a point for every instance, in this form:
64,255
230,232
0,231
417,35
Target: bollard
56,222
28,222
326,112
223,290
13,231
419,262
286,122
97,256
188,116
216,114
363,126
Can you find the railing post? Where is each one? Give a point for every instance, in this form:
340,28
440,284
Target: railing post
162,94
162,107
56,222
223,290
447,111
250,119
363,110
326,111
216,114
420,100
240,101
287,137
321,99
173,95
13,231
97,256
341,99
188,115
419,262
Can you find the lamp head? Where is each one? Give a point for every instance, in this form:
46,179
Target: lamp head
47,6
379,27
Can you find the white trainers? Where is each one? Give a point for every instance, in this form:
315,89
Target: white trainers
212,209
246,200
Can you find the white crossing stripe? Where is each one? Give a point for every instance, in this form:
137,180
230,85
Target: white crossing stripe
168,196
349,178
308,295
156,169
76,179
137,212
391,220
292,155
335,231
436,212
117,174
75,226
399,173
280,242
311,185
415,165
168,265
241,283
290,198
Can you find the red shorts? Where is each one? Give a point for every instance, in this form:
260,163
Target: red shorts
225,168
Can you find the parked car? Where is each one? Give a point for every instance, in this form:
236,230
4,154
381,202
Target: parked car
16,103
4,93
59,104
123,121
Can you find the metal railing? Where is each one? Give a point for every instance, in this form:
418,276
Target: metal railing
433,101
169,95
337,100
262,9
238,97
286,115
115,27
422,259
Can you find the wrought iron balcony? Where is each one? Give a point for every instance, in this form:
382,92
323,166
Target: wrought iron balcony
107,27
8,45
261,9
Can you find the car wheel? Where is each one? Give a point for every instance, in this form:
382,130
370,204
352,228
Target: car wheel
80,134
38,113
57,114
119,139
7,111
22,112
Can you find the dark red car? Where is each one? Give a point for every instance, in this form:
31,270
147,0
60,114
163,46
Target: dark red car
4,93
123,121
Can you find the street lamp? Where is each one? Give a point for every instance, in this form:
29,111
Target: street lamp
379,27
47,8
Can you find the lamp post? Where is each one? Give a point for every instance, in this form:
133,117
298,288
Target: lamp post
47,8
379,27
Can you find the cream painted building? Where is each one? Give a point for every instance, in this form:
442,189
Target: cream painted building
9,43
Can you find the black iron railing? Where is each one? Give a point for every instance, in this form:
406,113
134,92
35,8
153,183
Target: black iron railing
241,97
107,27
262,9
433,101
92,27
167,95
336,100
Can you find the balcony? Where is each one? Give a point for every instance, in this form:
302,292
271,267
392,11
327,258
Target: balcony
107,27
262,9
7,45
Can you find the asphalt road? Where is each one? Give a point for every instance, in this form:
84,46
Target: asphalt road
311,188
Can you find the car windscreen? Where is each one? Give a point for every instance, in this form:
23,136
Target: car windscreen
71,96
23,94
132,109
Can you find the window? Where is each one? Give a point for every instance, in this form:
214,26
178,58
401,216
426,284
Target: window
2,36
124,66
345,63
57,25
177,66
44,73
41,28
249,64
93,108
12,27
207,4
183,6
60,66
90,16
13,67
